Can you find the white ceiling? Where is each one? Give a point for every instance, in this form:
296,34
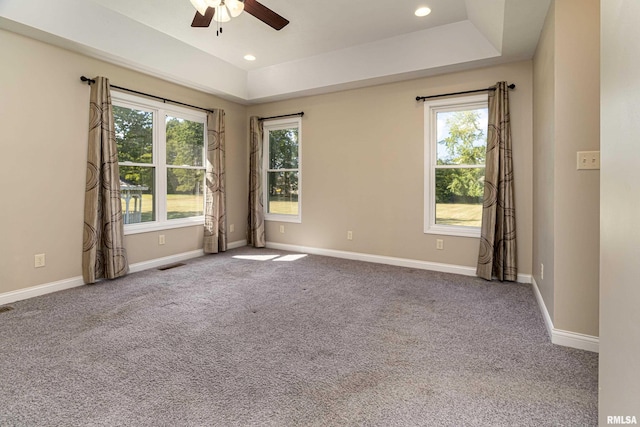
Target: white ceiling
327,46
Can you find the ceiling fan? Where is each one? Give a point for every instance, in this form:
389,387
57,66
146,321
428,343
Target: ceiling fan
206,9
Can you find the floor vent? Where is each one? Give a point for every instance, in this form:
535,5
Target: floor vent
170,266
5,308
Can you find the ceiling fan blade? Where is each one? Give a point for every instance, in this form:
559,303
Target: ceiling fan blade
203,20
265,14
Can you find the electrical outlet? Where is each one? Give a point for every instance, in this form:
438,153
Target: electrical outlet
282,228
161,240
439,244
39,260
232,228
349,235
541,271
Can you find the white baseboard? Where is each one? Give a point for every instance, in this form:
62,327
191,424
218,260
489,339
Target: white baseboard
60,285
548,323
575,340
237,244
159,262
560,336
379,259
524,278
35,291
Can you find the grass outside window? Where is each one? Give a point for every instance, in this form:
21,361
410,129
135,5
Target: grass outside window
178,206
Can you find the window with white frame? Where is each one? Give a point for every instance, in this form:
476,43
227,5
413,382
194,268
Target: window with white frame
282,168
161,157
455,151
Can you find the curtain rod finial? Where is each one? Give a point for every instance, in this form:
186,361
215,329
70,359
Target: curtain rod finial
88,80
512,86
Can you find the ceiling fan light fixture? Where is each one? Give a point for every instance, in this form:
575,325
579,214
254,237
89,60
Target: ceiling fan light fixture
213,3
200,5
222,14
235,7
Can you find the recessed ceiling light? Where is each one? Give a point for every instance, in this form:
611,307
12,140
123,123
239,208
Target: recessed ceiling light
250,57
423,11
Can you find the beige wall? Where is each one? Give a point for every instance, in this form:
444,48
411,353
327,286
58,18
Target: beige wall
44,121
620,208
577,195
363,168
566,232
362,150
543,160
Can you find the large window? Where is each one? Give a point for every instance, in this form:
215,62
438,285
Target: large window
161,155
282,170
455,151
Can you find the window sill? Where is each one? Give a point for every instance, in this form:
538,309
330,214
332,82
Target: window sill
449,230
283,218
159,226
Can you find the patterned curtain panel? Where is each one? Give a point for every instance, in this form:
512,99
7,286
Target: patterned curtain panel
215,213
255,228
498,232
103,254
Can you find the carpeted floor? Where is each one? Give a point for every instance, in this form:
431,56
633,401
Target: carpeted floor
227,340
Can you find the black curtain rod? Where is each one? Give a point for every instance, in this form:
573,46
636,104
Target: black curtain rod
90,81
301,113
422,98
